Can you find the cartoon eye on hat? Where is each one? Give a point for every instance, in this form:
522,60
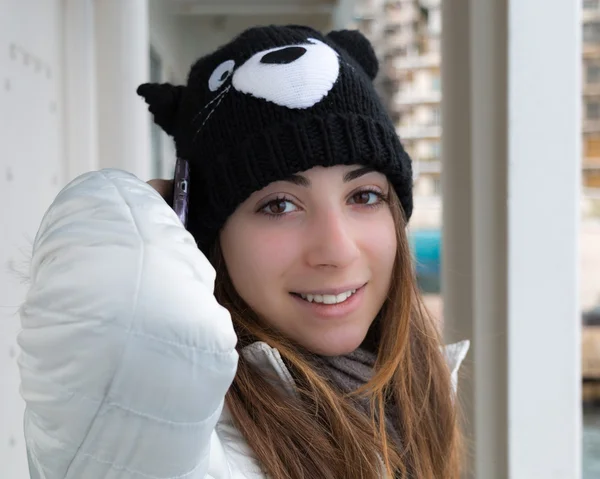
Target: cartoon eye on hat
294,76
220,75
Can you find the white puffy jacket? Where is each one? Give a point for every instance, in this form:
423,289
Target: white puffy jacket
126,354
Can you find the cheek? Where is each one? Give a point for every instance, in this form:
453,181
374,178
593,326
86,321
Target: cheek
379,241
258,257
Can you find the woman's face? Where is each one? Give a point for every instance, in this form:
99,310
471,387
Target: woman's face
313,255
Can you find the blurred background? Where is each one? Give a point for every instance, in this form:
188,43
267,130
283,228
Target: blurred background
520,88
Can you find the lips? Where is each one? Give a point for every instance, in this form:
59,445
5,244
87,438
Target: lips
331,310
329,296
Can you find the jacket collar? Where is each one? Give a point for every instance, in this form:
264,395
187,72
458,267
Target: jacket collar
268,359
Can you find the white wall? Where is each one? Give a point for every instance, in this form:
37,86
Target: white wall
32,169
512,96
79,87
122,47
167,38
205,33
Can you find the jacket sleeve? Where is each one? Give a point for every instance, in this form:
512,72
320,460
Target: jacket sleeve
126,355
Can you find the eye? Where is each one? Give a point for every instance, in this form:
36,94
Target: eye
366,197
278,206
220,75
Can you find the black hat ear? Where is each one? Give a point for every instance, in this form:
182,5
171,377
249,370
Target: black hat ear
359,47
163,101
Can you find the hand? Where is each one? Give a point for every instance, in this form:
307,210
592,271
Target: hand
164,188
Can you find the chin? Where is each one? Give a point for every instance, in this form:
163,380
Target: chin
326,345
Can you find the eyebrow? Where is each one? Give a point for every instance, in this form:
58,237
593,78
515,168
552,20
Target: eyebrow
300,180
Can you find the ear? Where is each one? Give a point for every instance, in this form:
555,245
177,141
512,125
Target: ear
163,101
359,47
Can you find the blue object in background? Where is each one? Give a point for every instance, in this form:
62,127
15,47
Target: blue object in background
426,246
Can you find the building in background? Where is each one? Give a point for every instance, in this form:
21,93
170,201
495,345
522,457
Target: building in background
407,38
591,107
406,35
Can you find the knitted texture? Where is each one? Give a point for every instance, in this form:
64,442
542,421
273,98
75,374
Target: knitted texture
275,101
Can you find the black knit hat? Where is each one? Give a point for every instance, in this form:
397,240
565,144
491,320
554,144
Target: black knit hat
275,101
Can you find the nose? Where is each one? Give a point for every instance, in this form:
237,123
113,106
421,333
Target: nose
332,242
283,56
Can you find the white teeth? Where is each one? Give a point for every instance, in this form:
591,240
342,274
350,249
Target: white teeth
328,298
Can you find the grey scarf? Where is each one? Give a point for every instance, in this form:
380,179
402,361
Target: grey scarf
353,370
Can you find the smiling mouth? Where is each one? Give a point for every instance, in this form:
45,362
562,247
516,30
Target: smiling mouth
328,299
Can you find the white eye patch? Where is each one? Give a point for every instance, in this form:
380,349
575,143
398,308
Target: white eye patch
294,76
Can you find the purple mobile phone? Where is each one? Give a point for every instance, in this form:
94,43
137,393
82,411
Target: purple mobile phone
181,189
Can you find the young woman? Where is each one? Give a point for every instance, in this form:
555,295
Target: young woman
281,334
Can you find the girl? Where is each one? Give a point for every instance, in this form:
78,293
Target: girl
281,334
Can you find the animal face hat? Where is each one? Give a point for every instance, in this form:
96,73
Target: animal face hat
276,101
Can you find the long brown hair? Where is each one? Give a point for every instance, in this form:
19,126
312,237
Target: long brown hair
319,433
